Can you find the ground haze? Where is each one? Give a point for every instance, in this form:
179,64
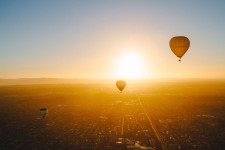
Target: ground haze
153,114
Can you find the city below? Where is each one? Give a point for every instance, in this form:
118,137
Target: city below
151,116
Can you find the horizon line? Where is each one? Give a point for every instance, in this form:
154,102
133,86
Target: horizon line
86,78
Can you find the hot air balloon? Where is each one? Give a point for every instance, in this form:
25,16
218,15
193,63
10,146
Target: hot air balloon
179,45
121,84
43,112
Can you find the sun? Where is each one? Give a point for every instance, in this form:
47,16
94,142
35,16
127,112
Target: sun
130,65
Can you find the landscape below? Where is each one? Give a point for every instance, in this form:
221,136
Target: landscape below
185,114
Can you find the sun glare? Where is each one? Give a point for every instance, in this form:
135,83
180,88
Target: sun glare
130,65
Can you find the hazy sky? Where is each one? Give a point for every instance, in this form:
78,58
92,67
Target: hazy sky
84,39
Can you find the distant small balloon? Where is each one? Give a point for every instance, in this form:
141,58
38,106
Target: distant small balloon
43,112
121,84
179,45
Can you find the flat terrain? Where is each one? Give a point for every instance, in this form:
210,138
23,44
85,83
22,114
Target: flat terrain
147,115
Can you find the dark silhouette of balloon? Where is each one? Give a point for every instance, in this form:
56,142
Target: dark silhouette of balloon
43,112
179,45
121,84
